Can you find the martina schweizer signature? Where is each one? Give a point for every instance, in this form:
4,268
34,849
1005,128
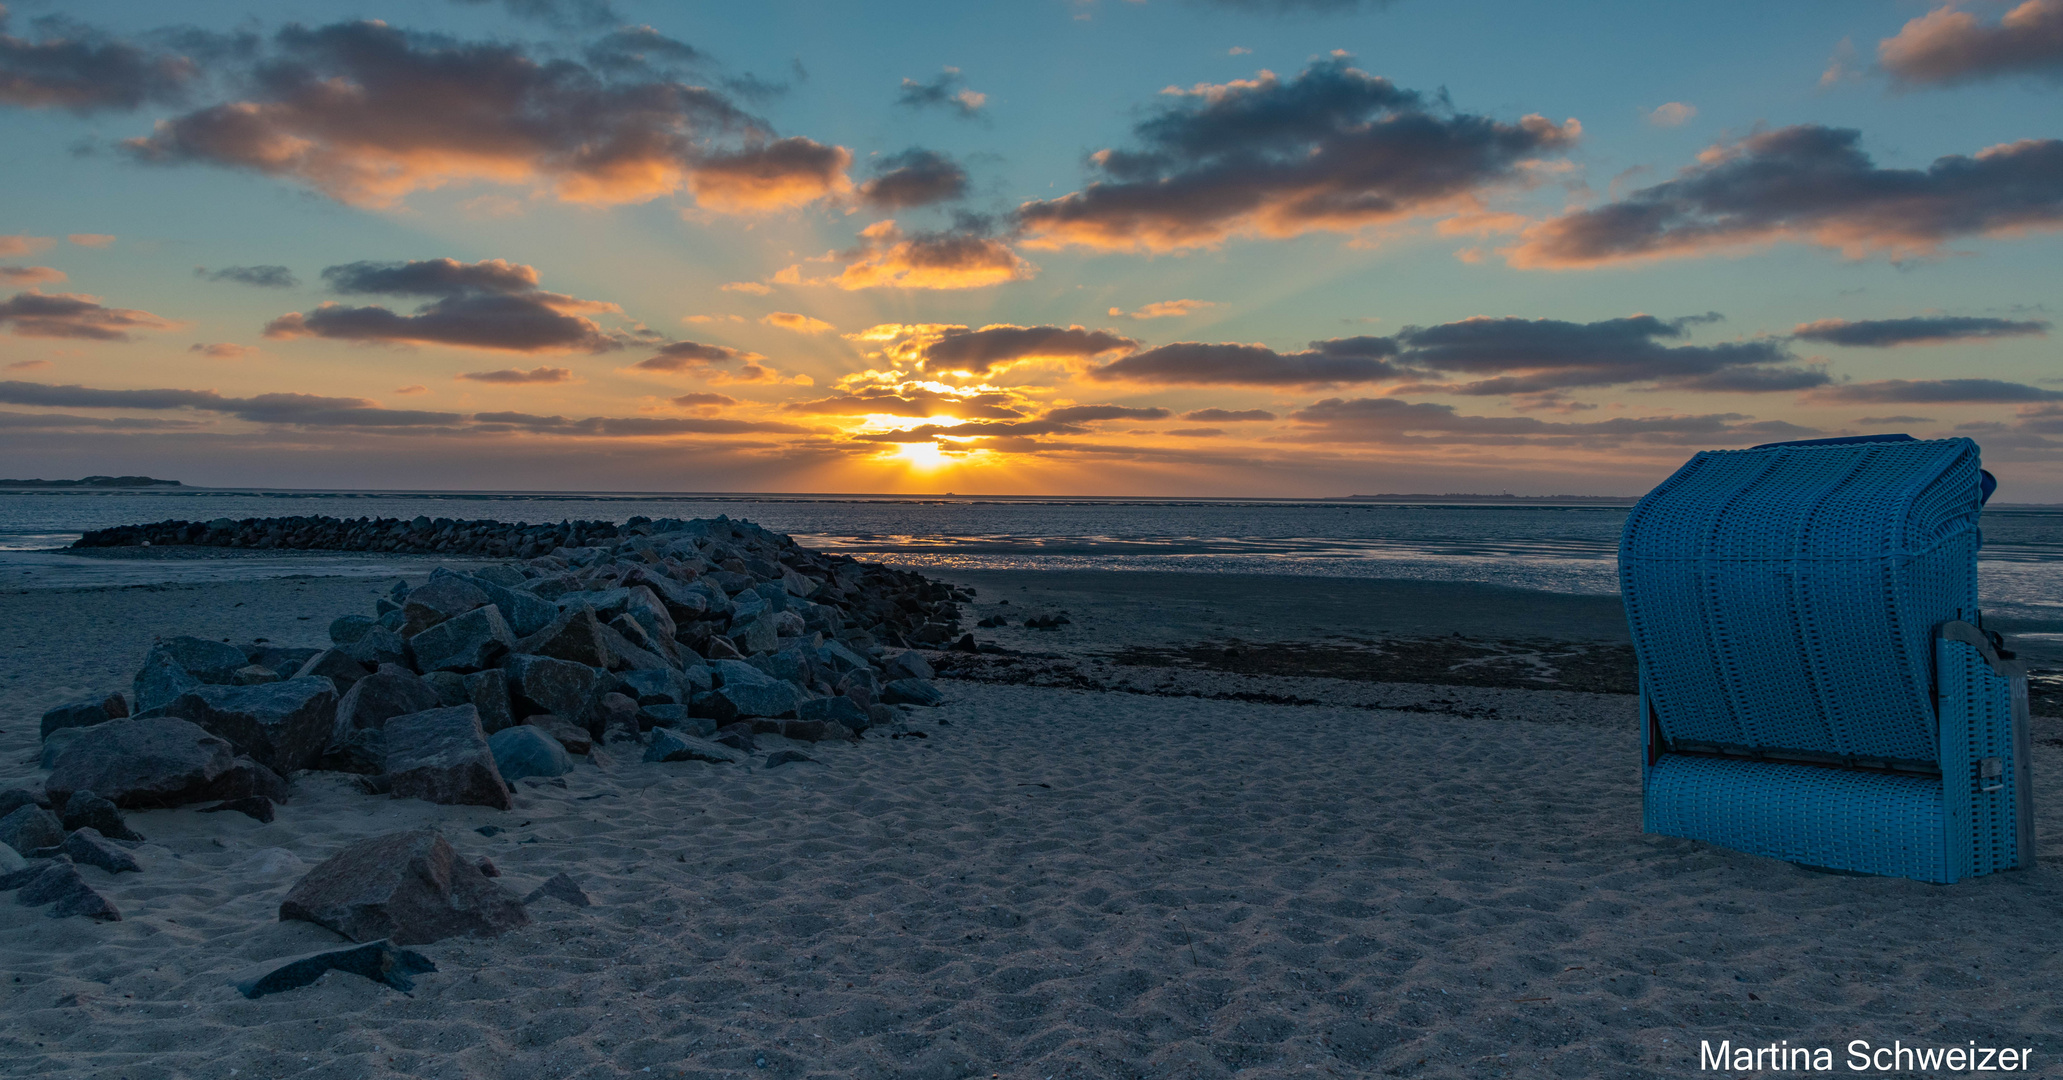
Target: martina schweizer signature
1862,1057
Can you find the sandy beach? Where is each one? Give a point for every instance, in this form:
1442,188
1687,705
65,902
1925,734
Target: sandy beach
1092,864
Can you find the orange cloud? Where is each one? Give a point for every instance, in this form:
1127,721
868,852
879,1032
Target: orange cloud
11,246
778,176
367,114
513,377
945,348
753,287
1163,309
1672,114
1947,46
801,324
948,260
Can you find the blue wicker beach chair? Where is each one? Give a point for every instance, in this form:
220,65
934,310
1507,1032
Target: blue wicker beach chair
1815,684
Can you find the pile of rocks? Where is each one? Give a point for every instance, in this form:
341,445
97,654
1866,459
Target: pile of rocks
422,535
690,637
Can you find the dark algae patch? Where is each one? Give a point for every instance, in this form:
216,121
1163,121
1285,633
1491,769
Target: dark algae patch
1513,663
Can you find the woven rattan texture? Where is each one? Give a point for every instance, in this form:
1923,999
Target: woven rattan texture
1876,823
1977,723
1785,598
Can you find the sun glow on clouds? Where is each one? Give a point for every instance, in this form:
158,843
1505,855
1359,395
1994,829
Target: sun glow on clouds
924,456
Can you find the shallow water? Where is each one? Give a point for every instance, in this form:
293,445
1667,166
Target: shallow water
1568,549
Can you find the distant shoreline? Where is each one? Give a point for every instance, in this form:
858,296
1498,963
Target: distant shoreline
93,482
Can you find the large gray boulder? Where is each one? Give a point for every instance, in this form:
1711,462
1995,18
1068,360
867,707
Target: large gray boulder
759,634
409,887
85,712
547,684
160,682
642,640
345,629
85,810
575,738
908,664
56,882
664,686
444,596
208,661
55,743
683,603
729,672
840,710
449,685
357,742
463,643
737,700
489,693
336,665
31,828
646,608
15,798
524,751
525,612
157,761
283,726
380,645
442,756
628,655
391,691
88,848
836,656
576,635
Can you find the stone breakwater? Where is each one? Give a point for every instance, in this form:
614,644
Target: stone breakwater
422,535
678,640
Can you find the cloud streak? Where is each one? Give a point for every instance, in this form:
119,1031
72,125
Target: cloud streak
366,114
947,91
263,277
693,357
74,315
1947,46
953,259
309,411
1333,149
1394,421
915,177
30,275
1931,392
1809,184
492,304
84,71
513,377
1919,330
1484,356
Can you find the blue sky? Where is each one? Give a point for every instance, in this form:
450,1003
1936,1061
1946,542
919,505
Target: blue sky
1531,313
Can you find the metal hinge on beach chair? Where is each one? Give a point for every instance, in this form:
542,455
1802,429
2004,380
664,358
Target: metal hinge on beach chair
1813,686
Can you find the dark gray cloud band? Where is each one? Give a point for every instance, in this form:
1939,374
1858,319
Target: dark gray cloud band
1919,330
1815,185
1334,148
